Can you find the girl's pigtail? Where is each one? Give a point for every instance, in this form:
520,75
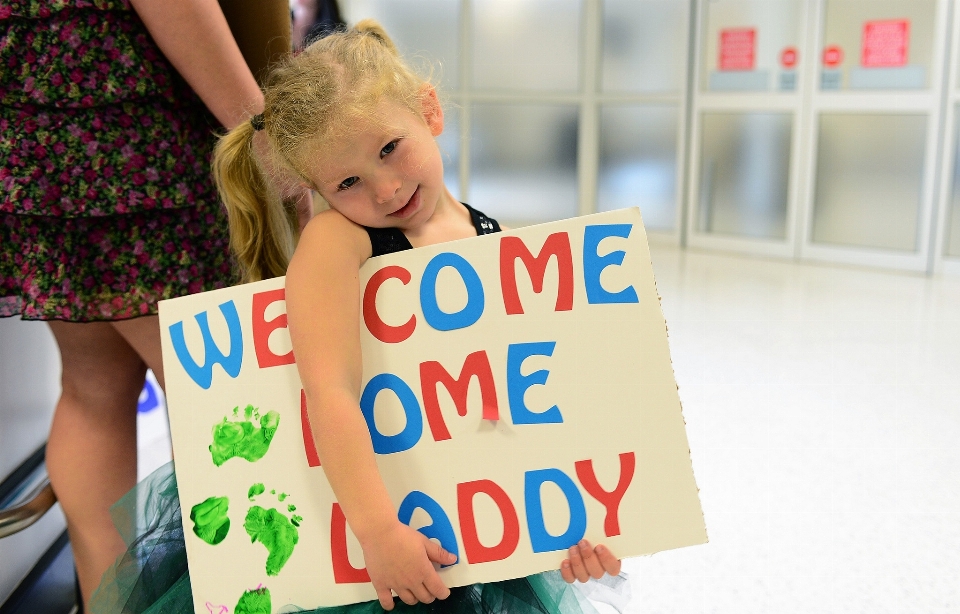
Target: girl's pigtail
262,231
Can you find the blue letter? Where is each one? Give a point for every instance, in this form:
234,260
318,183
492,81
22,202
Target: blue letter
203,376
440,529
594,264
541,540
428,293
517,383
410,435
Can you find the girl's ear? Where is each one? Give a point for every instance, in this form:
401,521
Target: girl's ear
432,111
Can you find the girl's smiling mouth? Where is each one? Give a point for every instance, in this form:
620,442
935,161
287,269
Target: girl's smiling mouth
410,208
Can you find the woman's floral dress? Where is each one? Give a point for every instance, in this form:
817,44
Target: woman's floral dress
106,201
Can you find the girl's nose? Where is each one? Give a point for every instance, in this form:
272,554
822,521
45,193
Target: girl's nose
387,188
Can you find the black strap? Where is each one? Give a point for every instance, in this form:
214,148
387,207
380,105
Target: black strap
391,240
484,225
387,240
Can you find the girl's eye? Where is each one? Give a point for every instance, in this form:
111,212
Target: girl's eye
347,183
388,148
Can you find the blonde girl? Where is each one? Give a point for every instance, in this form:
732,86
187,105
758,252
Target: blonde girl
356,125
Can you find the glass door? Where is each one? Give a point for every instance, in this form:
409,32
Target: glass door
747,117
876,117
947,239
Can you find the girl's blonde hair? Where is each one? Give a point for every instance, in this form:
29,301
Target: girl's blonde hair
308,98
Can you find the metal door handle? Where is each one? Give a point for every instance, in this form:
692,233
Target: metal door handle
22,516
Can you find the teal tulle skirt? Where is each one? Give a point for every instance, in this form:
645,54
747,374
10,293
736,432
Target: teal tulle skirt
152,576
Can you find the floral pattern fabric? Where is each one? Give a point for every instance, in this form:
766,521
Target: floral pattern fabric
109,268
106,197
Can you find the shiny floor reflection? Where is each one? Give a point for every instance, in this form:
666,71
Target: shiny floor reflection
823,412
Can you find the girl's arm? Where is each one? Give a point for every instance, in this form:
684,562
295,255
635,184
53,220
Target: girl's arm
323,311
195,38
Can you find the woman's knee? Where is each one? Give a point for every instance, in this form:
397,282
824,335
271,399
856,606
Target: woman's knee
98,365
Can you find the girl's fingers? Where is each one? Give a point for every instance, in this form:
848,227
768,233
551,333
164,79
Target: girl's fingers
422,594
611,564
576,564
385,597
407,597
436,587
587,562
437,554
590,560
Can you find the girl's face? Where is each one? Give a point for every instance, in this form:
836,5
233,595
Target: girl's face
388,171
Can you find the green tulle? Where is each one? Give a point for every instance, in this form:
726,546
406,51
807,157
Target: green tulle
152,576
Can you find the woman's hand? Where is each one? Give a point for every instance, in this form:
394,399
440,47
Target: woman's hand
195,37
401,559
587,562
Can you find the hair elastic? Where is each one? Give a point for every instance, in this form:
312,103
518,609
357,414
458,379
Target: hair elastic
257,122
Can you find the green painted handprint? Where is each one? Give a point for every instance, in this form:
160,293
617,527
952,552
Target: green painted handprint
241,437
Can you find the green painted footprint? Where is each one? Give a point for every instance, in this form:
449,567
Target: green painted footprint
210,522
256,601
241,437
273,529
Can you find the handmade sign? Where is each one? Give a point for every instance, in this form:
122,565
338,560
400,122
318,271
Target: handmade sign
519,395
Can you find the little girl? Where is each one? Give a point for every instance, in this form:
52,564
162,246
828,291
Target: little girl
356,125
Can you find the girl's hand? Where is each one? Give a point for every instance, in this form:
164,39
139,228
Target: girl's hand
401,559
587,562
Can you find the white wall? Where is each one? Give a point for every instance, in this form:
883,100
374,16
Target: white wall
29,387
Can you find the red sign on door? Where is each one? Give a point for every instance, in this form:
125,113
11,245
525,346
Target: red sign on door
885,43
737,48
788,57
832,56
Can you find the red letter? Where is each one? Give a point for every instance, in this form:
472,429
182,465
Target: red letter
262,329
610,500
313,459
377,327
511,248
343,571
433,373
475,551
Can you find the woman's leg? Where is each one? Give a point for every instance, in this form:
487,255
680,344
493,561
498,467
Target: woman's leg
143,335
92,449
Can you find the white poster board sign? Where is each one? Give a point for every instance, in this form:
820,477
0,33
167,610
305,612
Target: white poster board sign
519,393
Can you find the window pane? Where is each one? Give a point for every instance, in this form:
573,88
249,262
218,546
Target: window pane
744,174
878,44
953,213
869,180
425,31
523,162
745,42
638,161
526,44
645,45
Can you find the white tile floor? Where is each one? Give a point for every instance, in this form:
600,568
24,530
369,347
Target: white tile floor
823,411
